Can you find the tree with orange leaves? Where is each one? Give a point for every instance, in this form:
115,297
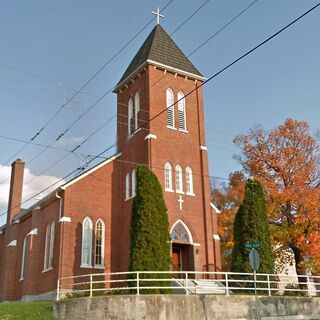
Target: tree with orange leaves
228,198
286,162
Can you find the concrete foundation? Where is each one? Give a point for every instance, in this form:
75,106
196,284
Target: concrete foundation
191,307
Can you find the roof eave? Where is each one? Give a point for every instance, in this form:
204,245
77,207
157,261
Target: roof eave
162,66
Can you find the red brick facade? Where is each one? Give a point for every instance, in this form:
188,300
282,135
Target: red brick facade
100,193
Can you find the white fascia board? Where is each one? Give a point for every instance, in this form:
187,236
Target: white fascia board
215,208
160,65
65,219
203,148
216,237
175,70
85,174
150,136
13,243
33,232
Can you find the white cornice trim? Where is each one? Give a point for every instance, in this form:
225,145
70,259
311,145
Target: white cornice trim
160,65
215,236
13,243
150,136
16,221
204,148
175,70
85,174
215,208
65,219
33,232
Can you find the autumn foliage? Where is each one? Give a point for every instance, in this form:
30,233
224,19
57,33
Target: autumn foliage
286,162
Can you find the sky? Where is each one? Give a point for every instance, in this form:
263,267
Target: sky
49,49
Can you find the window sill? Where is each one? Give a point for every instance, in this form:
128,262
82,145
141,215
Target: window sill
179,192
182,130
83,266
169,190
99,267
190,194
46,270
172,128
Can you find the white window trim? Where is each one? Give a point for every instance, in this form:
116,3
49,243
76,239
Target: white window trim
84,265
46,248
182,100
171,105
51,247
189,171
133,183
100,266
127,186
168,166
136,110
130,116
24,248
178,168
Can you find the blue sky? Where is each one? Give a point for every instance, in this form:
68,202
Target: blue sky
66,42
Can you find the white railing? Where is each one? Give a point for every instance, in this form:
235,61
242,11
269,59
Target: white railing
186,282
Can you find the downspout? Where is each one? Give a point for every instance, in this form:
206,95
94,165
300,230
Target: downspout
61,236
60,205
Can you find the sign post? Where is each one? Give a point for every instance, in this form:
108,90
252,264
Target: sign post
254,259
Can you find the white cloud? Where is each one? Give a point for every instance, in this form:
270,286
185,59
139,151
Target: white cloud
37,184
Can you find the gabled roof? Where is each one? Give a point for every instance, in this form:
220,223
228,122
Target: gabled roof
160,48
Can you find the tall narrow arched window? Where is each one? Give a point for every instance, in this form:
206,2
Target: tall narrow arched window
189,181
127,186
170,108
86,250
137,110
168,176
133,181
24,257
182,112
47,248
130,117
99,244
51,248
179,187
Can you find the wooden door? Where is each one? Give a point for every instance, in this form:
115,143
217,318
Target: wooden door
176,259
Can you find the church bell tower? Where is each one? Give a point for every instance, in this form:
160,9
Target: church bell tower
161,124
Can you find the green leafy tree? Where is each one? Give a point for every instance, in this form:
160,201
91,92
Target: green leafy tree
150,238
251,224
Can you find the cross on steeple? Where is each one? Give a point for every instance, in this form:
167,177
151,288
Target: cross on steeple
158,14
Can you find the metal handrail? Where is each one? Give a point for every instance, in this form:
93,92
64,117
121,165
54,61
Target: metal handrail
268,283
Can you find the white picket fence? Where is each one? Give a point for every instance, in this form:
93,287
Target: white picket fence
182,282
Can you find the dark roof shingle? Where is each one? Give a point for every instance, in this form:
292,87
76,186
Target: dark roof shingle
159,47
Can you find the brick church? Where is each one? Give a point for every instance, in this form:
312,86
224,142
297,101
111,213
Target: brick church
83,226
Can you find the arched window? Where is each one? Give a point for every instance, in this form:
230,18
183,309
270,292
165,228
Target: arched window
182,112
133,181
168,176
179,187
99,244
189,181
170,108
24,257
130,117
52,230
127,186
181,233
137,110
47,248
86,251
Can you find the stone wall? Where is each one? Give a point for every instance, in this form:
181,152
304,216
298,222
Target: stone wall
191,307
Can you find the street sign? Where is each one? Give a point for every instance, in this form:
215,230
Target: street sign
253,245
254,259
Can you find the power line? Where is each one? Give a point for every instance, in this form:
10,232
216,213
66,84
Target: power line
192,91
84,86
223,27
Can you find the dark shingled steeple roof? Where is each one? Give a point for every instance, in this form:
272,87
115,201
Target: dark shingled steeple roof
159,47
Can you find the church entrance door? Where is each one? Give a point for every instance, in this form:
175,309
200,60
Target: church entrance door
176,259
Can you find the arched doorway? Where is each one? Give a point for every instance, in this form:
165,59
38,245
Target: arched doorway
182,251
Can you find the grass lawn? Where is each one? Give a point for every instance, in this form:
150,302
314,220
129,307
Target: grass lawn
26,310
